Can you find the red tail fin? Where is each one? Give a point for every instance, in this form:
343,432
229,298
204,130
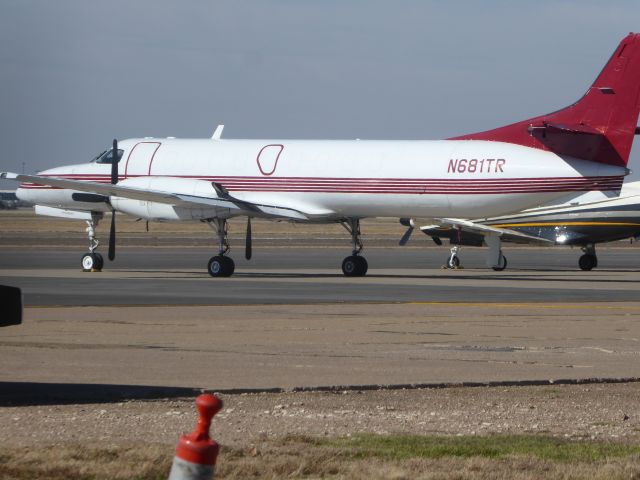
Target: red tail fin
598,127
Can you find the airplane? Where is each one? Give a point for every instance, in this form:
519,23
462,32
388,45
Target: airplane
581,148
582,222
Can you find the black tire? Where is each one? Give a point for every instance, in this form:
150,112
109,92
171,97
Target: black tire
354,266
350,266
502,264
453,261
89,262
221,266
229,267
363,266
587,262
99,261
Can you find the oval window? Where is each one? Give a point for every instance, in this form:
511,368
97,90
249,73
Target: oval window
268,158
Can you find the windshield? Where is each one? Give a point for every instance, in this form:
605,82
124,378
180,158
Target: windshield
107,156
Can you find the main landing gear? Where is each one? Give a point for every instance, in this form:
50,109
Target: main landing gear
92,261
589,260
453,260
502,263
220,265
354,265
495,258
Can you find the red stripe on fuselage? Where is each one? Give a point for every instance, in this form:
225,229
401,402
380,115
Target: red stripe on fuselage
407,186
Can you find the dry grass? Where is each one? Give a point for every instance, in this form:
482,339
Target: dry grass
22,228
364,457
86,462
25,220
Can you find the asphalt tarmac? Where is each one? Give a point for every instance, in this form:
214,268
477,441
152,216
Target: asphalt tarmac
177,276
289,319
105,351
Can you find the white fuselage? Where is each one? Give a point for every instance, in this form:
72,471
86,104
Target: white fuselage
333,179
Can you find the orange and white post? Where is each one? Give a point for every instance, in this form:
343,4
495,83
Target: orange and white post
196,453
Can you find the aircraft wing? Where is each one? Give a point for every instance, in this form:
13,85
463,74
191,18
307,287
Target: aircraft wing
468,226
176,199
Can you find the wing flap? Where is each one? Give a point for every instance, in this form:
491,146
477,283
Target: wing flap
505,234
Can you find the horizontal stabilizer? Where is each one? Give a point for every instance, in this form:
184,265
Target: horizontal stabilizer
565,129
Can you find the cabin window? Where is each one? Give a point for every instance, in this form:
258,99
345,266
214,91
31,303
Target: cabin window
107,156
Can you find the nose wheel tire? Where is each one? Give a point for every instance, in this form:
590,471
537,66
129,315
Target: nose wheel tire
221,266
92,262
355,266
502,264
587,262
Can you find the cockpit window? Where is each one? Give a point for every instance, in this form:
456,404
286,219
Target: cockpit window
107,156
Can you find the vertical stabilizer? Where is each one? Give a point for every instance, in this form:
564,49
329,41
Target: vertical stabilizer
599,127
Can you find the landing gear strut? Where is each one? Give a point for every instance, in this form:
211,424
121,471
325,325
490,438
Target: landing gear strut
220,265
354,265
589,260
495,258
502,263
92,261
453,260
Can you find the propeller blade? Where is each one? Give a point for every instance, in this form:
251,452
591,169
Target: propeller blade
405,237
407,222
114,163
248,247
112,237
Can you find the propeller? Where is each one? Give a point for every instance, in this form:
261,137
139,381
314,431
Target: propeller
407,222
114,163
112,237
247,247
114,180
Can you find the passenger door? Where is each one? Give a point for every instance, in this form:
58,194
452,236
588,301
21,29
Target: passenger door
140,159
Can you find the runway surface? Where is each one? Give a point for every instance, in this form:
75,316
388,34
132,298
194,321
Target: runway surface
289,346
155,323
177,276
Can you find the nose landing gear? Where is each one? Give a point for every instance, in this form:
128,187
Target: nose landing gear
220,265
92,261
354,265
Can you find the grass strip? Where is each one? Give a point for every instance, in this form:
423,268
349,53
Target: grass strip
399,447
361,457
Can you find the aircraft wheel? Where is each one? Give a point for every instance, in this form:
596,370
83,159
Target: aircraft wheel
502,264
99,261
355,266
453,261
364,266
221,266
587,262
92,262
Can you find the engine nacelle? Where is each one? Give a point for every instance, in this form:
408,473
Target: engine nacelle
163,211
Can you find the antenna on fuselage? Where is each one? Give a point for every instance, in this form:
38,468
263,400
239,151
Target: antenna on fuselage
217,133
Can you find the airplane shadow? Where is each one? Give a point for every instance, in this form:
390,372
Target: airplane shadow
504,277
35,393
511,275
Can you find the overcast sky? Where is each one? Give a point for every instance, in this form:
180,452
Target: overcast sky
76,74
